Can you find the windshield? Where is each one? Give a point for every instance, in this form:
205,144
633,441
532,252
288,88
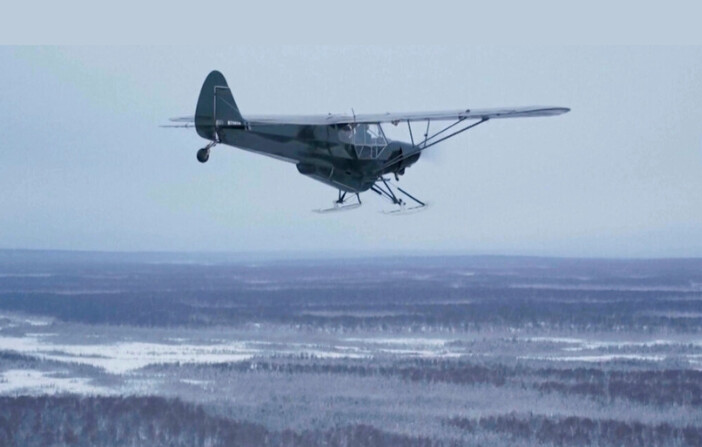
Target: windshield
363,135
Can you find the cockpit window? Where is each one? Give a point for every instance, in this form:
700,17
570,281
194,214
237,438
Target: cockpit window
363,135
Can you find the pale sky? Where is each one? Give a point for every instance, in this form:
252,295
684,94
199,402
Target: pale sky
85,166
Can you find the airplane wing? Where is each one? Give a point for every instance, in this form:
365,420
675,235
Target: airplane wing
449,115
452,115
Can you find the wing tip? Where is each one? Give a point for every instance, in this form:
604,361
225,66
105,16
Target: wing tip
547,111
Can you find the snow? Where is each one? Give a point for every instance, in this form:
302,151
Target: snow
23,380
120,358
195,382
17,320
418,341
567,340
597,358
585,344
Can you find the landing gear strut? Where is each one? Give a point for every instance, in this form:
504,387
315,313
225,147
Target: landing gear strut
385,189
344,202
204,154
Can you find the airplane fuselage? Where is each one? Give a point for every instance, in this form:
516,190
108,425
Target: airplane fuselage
322,152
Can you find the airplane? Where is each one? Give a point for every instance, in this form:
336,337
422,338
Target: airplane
349,153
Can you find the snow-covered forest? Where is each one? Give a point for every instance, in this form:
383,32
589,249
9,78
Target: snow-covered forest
167,349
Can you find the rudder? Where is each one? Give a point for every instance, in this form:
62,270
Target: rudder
216,107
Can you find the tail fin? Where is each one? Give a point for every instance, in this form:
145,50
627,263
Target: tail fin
216,107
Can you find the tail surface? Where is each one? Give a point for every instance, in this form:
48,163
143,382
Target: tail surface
216,107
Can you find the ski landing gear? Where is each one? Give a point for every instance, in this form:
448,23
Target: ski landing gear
384,188
345,202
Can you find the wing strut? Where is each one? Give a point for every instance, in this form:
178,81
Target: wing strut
427,143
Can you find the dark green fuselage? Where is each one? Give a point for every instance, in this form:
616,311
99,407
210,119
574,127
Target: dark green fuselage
319,153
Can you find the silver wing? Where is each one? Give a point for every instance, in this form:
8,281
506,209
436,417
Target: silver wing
449,115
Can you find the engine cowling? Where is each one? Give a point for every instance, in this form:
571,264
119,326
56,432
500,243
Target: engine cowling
405,155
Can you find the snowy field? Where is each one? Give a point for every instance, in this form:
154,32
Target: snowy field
441,349
125,353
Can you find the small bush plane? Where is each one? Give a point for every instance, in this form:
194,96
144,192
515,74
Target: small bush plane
349,153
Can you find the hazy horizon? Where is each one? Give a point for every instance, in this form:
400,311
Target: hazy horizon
283,255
